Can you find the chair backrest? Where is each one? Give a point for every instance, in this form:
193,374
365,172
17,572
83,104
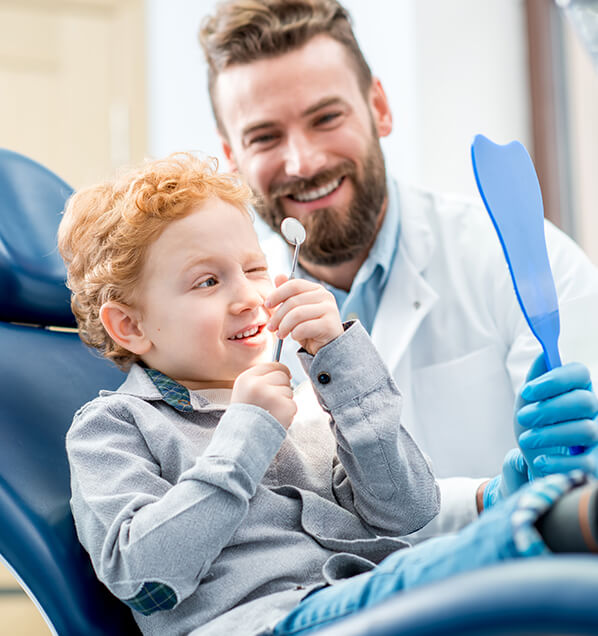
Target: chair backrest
45,375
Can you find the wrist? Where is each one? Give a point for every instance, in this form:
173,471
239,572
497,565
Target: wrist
479,495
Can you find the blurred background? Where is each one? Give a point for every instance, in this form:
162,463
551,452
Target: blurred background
87,86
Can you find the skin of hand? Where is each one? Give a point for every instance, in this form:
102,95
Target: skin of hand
267,385
304,310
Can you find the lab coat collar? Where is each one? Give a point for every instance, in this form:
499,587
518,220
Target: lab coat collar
407,297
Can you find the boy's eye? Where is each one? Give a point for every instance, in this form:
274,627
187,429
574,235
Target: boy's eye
208,282
257,272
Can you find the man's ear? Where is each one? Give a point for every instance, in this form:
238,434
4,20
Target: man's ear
380,108
228,154
123,325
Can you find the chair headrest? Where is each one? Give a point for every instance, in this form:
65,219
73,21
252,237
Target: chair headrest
32,274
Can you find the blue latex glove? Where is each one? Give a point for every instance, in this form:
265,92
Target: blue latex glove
514,475
556,410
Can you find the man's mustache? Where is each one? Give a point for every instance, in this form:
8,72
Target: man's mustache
299,185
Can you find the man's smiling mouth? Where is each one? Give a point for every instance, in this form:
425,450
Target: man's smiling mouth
317,193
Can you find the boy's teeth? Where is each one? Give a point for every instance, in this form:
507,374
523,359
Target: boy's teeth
246,334
312,195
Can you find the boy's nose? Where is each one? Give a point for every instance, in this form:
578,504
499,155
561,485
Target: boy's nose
245,297
303,158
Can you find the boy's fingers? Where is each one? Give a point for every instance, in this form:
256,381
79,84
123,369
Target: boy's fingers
310,298
277,378
297,316
289,288
279,279
264,368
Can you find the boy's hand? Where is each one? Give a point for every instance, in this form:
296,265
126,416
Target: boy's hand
267,385
306,311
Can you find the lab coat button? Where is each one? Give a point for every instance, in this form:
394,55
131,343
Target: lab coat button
416,304
324,378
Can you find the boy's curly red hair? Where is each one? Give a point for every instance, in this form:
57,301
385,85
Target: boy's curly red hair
107,228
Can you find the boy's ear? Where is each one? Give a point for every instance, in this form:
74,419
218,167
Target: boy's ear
124,327
228,154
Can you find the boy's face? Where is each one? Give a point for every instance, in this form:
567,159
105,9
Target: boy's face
202,298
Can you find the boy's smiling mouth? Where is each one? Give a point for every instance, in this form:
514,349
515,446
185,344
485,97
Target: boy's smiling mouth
248,332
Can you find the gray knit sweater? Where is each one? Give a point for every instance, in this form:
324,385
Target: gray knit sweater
189,511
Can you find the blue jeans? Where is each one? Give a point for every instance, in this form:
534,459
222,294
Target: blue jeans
494,537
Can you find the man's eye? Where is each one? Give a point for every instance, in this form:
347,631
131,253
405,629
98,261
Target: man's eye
208,282
263,140
327,118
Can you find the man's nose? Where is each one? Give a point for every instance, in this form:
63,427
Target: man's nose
303,156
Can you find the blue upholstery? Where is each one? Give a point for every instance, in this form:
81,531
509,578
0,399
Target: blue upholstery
31,271
45,375
555,595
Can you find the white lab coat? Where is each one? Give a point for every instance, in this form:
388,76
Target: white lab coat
450,329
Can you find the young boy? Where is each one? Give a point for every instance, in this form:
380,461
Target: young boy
205,498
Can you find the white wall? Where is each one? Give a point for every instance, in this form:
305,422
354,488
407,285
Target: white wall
450,69
179,113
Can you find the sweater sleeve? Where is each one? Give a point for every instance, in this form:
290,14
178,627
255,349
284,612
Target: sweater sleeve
151,541
379,473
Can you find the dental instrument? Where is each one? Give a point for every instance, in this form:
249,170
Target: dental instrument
294,233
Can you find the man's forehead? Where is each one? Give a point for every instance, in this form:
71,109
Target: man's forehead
264,90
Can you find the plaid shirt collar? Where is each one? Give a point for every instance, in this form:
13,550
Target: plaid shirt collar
151,385
173,393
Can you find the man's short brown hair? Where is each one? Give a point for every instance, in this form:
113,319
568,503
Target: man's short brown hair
244,31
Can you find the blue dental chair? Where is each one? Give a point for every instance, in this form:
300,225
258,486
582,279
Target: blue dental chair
46,374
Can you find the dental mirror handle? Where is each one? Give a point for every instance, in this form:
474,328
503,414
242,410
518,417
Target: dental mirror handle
294,232
278,350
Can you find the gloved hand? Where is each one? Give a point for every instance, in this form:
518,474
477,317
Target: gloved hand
514,475
557,410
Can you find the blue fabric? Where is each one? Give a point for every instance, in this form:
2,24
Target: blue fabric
361,302
504,532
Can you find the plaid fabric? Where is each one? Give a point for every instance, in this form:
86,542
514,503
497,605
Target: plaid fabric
174,394
538,498
153,597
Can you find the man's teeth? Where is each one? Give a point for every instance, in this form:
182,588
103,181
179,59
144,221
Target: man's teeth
246,334
312,195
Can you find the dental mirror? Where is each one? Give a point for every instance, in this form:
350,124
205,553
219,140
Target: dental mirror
292,230
294,233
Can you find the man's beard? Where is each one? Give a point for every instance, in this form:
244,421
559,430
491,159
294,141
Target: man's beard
333,236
